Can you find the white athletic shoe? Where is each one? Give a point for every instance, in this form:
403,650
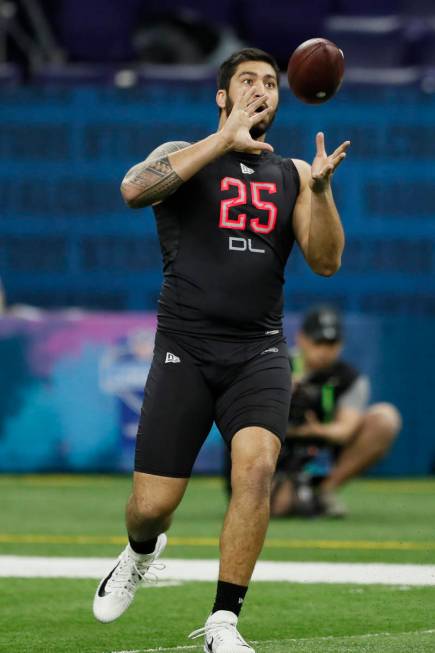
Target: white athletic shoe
116,591
221,634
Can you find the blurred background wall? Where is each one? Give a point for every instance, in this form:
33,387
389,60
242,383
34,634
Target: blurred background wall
87,90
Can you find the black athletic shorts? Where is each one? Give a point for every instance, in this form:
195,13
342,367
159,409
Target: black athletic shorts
193,381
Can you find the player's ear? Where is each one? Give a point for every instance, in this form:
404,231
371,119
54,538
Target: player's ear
221,98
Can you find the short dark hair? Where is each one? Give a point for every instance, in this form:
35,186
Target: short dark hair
227,69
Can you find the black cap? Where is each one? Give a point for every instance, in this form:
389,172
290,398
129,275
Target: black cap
323,324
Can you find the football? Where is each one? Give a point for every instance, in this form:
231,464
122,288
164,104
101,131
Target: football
315,70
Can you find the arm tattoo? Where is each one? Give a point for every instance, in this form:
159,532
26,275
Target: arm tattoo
155,177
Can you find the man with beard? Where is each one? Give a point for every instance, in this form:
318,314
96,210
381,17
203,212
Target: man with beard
228,211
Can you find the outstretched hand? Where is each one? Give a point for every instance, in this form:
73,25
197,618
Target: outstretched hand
323,165
244,115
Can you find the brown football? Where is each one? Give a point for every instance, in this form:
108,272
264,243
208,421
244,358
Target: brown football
315,70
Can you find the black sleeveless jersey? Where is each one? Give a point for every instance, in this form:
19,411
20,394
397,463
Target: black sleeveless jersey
225,237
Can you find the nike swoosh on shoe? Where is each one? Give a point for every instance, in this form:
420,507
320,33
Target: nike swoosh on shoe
101,591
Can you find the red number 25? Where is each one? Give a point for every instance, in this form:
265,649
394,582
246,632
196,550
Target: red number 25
225,222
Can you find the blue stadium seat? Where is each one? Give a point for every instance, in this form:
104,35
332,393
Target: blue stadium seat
368,7
417,7
369,41
425,49
222,12
428,80
102,30
175,73
74,74
99,30
10,74
281,27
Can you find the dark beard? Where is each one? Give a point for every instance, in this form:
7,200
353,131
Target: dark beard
257,130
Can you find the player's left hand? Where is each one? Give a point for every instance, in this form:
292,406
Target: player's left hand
323,165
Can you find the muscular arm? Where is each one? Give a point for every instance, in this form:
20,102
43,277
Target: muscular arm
171,164
317,225
316,221
166,168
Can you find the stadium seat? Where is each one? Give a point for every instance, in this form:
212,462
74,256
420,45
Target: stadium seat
281,30
75,74
417,7
368,7
222,12
425,50
175,73
97,31
10,74
103,30
428,80
369,41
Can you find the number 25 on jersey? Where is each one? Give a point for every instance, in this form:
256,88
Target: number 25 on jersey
256,189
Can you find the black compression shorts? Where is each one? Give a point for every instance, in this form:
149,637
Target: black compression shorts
193,382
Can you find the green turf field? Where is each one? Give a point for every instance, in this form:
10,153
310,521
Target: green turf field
82,516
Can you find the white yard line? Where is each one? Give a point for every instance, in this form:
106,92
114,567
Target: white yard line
291,641
207,570
162,650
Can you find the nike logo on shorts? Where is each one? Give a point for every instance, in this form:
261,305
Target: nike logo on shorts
271,350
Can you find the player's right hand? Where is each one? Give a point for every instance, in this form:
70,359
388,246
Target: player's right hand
242,118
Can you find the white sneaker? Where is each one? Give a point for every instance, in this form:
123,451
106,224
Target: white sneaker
116,591
221,634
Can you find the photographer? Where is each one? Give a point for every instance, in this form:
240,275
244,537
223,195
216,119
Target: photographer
332,434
